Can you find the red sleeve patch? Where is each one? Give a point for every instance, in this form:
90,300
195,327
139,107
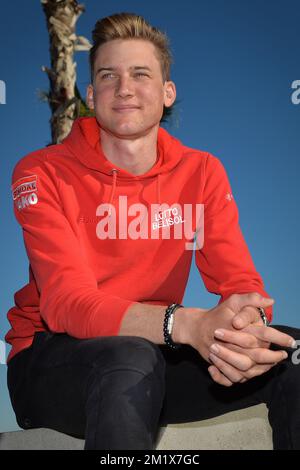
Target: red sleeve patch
24,191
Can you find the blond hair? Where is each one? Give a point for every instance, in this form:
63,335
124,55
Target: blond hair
131,26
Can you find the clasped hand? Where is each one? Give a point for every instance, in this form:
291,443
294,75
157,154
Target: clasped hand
240,351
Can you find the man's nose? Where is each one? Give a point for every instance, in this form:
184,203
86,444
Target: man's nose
124,87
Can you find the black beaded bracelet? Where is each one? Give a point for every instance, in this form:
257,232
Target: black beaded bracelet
167,333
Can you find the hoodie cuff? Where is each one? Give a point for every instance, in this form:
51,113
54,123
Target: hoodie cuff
109,318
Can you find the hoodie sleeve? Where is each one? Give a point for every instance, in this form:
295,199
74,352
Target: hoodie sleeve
70,299
224,261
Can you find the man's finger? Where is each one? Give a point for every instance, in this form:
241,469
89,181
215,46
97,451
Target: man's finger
241,362
245,317
253,299
260,355
230,372
258,370
218,377
267,356
240,338
271,335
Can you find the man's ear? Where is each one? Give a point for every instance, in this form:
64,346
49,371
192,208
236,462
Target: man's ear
90,97
170,93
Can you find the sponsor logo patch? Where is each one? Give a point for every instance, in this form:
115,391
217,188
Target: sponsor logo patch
24,192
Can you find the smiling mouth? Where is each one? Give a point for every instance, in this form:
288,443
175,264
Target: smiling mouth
126,109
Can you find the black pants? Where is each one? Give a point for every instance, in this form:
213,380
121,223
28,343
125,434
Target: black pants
117,391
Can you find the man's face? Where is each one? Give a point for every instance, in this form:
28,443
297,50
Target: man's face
128,93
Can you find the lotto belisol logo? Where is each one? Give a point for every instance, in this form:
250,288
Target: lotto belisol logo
2,92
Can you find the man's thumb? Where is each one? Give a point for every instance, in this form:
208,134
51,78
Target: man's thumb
254,300
267,302
244,317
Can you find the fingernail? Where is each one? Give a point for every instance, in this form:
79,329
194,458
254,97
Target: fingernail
219,333
285,355
214,348
293,343
212,357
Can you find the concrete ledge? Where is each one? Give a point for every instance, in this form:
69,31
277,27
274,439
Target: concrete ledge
239,430
243,429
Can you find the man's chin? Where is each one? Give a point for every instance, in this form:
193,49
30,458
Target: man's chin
129,131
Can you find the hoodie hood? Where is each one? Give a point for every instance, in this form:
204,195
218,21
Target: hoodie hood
84,141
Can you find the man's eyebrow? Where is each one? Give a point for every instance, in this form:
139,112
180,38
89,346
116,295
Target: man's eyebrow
104,68
135,67
139,67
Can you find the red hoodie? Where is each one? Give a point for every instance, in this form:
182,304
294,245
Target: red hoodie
88,264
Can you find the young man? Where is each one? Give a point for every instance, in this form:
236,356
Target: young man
101,346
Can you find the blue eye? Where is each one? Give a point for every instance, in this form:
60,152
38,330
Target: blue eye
108,75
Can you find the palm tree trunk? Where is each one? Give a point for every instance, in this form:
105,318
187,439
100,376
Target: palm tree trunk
61,16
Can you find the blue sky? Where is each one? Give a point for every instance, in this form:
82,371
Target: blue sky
235,61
